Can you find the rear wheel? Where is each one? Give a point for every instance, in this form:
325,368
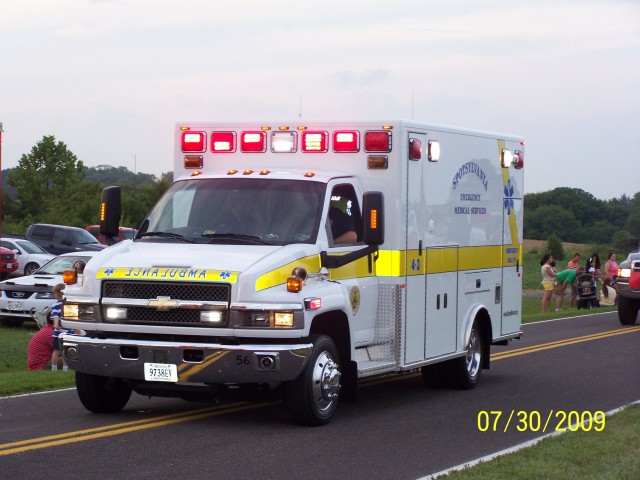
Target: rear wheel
30,268
313,396
627,310
102,394
465,371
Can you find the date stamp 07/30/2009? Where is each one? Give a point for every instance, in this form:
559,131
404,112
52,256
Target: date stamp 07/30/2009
535,421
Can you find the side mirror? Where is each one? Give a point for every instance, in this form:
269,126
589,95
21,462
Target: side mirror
110,211
373,216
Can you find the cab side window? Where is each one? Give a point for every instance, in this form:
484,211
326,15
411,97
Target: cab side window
344,219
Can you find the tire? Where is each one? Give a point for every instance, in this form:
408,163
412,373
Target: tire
12,322
102,394
465,371
30,268
627,310
313,396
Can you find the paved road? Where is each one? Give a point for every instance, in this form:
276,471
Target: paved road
398,429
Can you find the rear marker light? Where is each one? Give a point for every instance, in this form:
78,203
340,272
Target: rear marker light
346,141
518,159
377,141
415,149
193,141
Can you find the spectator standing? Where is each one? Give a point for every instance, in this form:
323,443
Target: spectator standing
574,263
40,348
548,280
565,278
611,269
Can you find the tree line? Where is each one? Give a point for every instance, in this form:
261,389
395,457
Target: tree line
51,185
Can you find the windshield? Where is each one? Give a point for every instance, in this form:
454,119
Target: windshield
31,247
237,210
82,236
60,264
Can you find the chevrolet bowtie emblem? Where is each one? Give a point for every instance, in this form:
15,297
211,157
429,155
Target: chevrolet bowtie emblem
163,303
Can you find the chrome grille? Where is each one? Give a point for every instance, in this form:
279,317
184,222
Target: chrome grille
178,291
192,292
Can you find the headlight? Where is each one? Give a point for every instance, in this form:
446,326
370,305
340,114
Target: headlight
271,319
79,312
624,272
45,296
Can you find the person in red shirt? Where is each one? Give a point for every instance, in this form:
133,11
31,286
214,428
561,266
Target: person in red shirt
574,262
40,348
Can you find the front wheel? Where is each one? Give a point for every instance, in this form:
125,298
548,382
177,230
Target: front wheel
313,396
627,310
465,371
30,268
102,394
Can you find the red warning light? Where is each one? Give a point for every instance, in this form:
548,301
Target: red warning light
346,141
315,142
193,141
223,142
253,141
376,141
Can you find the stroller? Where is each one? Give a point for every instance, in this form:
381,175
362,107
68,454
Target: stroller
587,291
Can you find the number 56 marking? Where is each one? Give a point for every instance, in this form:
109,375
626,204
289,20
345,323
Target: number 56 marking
242,360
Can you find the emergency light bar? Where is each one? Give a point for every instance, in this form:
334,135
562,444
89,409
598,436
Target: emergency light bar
377,141
346,141
283,142
315,142
223,142
253,141
193,141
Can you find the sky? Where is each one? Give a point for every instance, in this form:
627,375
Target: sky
111,78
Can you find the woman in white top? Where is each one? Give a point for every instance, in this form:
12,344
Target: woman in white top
548,280
607,294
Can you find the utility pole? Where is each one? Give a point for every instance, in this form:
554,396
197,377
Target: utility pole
1,217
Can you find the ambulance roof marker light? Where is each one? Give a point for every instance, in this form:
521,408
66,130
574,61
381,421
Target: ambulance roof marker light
232,172
301,127
185,128
248,171
265,128
195,173
283,128
387,127
309,174
265,172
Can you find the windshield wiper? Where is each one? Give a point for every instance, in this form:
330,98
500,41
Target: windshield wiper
173,236
252,239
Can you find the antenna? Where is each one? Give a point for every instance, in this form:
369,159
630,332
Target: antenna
300,113
413,99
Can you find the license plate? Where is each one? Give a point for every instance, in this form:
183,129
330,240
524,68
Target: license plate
14,306
9,265
160,372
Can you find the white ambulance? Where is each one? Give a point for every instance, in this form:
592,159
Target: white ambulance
303,256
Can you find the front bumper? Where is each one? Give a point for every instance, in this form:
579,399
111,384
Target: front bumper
624,290
203,363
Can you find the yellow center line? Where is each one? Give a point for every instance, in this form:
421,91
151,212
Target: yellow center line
171,419
562,343
121,428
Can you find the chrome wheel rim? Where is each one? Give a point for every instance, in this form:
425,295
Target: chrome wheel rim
326,381
473,355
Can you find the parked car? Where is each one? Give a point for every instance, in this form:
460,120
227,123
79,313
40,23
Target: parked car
8,263
58,239
29,256
18,296
125,233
